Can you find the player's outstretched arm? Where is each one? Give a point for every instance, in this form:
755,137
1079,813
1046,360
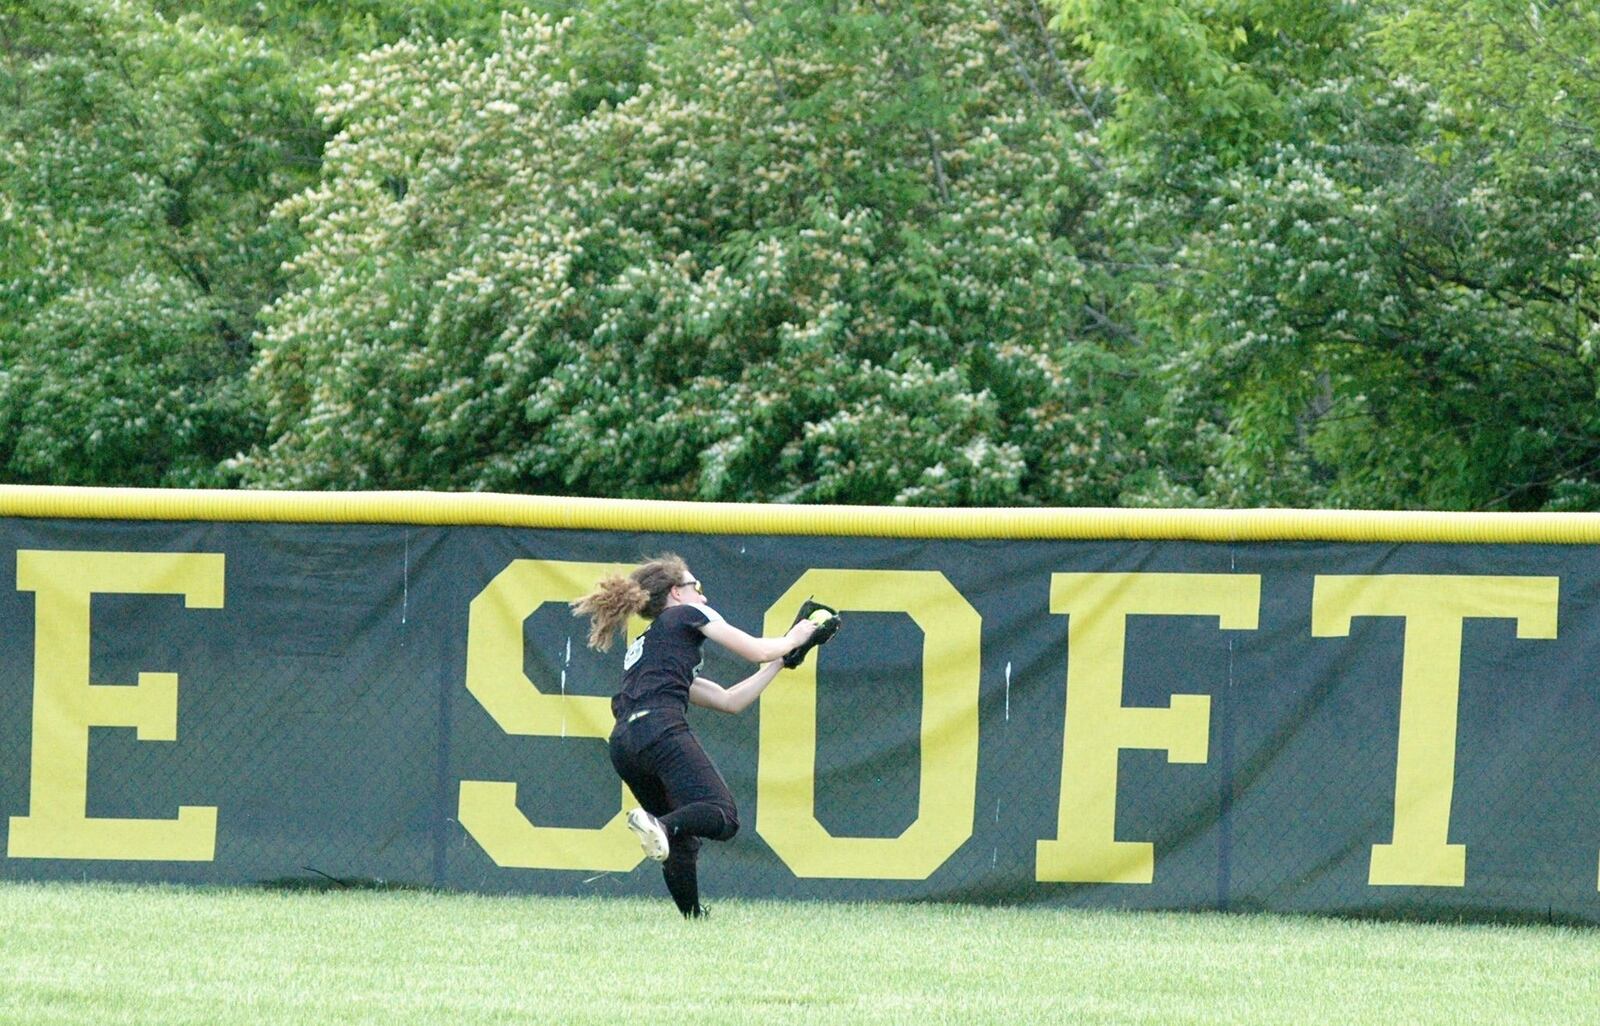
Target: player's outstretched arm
758,650
709,694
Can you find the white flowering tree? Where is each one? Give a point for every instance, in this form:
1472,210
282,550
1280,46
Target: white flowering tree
1164,251
788,254
145,143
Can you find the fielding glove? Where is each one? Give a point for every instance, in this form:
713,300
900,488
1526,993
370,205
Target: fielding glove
827,620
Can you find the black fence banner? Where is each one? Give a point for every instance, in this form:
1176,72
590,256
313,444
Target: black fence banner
1347,713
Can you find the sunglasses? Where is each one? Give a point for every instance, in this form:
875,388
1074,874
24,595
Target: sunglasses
692,584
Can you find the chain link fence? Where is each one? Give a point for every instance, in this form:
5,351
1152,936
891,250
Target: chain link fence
323,712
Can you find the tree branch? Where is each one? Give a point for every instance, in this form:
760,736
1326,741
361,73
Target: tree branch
1016,53
935,156
1109,325
766,58
1089,107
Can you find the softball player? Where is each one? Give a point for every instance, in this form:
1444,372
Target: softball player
683,796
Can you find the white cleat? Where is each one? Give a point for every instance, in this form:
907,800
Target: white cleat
651,834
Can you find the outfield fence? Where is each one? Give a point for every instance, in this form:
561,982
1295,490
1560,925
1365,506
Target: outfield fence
1254,710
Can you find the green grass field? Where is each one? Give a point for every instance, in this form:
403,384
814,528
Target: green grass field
89,954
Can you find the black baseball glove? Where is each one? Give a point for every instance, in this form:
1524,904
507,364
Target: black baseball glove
826,628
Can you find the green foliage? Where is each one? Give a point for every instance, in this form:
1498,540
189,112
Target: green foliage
1387,331
135,250
1227,253
1374,281
1519,74
1203,77
804,258
326,31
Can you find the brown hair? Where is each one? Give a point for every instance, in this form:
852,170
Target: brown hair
641,593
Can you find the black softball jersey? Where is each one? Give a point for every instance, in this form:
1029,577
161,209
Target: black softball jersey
663,662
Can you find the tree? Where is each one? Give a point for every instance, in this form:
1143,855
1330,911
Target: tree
1395,330
142,158
800,255
1374,274
146,145
1203,80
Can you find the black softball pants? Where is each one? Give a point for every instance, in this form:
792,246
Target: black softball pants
661,761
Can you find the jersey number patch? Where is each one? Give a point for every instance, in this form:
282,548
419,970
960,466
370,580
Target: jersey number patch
635,650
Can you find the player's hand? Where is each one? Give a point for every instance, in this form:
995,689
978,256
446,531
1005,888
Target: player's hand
801,632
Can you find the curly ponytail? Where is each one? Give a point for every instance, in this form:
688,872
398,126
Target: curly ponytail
641,593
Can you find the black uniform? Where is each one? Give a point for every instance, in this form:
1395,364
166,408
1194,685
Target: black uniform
657,755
